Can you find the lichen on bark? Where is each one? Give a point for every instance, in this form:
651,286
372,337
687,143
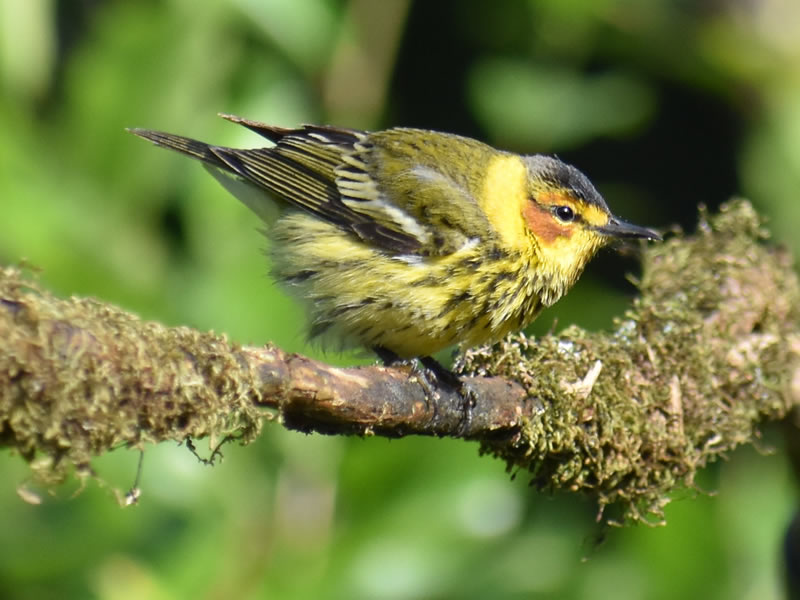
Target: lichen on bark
708,350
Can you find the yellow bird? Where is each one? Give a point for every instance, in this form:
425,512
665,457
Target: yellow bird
409,241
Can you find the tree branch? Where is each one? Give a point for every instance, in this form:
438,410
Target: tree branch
709,350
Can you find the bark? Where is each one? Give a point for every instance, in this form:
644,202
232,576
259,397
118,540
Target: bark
708,351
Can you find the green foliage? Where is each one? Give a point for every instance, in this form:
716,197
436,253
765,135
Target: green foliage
664,104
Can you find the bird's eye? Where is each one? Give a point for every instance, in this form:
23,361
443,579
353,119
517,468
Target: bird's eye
565,214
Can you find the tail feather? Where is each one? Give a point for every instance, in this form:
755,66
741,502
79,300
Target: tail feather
255,198
271,132
194,148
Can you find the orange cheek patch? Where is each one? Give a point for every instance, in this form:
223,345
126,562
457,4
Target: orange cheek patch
541,222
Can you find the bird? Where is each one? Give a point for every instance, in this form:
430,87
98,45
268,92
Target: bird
408,241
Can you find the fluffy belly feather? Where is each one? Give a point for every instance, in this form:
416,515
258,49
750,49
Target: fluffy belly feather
413,306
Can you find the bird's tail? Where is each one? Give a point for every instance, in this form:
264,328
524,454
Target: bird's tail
256,199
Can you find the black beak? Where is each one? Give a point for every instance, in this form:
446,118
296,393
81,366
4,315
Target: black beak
620,229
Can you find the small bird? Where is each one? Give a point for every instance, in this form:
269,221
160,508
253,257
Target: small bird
408,241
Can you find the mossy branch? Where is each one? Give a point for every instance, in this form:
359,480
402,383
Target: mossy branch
708,351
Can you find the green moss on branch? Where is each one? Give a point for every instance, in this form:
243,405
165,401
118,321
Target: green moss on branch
707,352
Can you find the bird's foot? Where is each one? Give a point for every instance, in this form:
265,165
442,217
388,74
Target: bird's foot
447,379
431,374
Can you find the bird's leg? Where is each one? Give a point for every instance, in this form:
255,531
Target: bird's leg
432,373
441,373
388,358
447,378
427,379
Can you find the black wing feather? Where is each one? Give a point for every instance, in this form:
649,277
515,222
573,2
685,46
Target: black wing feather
299,170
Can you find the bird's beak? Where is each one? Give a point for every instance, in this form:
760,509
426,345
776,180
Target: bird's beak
620,229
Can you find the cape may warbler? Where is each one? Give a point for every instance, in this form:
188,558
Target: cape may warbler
408,241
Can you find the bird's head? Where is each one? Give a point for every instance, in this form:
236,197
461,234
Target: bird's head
567,219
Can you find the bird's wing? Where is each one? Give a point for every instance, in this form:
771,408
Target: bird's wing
338,175
425,181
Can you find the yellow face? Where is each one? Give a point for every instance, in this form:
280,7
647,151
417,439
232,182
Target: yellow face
562,226
551,213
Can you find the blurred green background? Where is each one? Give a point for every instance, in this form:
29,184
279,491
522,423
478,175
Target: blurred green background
665,104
